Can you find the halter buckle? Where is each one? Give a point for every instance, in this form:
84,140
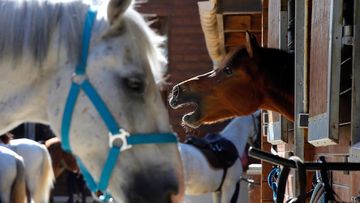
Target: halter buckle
120,140
78,78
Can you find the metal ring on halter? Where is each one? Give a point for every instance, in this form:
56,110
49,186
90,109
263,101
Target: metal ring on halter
120,140
78,78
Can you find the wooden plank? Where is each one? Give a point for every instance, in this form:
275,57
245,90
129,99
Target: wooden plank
355,183
273,23
237,22
266,193
256,21
325,80
264,22
342,192
342,147
319,57
238,38
241,5
340,177
254,190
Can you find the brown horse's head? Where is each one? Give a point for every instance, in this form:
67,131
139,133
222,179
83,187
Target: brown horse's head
61,160
241,85
5,138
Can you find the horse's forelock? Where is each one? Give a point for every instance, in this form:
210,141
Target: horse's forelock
147,45
231,58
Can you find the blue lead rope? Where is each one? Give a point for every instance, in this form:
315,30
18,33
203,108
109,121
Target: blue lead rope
273,185
81,82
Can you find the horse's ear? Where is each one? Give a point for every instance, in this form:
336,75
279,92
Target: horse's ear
251,44
116,9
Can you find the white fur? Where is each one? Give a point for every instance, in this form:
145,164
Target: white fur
36,92
38,169
202,179
9,172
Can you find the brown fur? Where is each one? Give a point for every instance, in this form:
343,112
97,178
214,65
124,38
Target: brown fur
249,78
60,159
18,191
6,138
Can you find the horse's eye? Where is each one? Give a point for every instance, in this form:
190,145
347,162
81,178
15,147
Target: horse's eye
134,84
228,71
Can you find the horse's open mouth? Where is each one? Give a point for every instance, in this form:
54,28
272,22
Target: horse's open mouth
192,119
180,98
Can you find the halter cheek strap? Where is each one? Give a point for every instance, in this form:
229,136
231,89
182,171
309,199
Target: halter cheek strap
119,139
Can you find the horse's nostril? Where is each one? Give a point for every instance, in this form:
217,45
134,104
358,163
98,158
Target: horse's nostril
173,102
176,91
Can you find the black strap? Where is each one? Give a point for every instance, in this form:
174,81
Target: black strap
222,180
235,196
301,198
282,184
329,193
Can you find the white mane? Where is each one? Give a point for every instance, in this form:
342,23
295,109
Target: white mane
27,27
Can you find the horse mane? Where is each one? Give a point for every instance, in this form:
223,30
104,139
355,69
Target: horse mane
147,44
30,30
28,25
278,65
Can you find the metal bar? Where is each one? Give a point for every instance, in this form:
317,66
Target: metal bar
345,91
333,166
355,112
300,78
256,153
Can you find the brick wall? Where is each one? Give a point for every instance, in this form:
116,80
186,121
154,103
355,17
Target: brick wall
187,52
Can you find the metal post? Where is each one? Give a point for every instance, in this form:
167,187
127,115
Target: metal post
355,117
300,79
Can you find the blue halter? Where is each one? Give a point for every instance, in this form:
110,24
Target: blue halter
119,139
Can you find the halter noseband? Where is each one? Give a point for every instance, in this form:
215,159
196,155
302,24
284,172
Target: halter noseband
119,139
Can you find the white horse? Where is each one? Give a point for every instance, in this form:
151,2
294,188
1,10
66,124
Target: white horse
12,177
201,178
39,174
40,46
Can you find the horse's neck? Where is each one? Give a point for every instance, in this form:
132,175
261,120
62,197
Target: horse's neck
279,75
239,130
25,90
278,102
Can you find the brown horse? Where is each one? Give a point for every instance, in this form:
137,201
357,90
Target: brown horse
61,160
249,78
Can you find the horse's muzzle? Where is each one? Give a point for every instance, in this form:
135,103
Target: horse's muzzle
174,100
161,187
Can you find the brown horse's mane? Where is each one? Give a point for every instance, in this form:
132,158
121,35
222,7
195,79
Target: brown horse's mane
278,65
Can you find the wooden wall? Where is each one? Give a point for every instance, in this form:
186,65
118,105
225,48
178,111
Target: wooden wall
346,184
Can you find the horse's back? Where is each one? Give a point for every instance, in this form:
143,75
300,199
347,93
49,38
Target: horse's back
39,174
30,150
32,153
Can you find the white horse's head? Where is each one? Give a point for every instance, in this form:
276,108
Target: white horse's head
124,65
